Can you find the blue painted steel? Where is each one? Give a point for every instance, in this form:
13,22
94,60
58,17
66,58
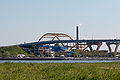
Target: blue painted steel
53,48
69,41
70,53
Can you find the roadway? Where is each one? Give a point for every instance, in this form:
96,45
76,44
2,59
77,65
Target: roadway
71,41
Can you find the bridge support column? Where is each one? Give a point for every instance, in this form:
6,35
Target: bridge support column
99,44
90,47
115,43
116,48
110,50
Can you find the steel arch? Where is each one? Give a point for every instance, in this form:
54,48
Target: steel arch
54,35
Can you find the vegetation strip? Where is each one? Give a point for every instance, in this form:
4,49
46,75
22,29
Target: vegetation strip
59,58
60,71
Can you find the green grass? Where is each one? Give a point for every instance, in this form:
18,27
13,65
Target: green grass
11,51
59,71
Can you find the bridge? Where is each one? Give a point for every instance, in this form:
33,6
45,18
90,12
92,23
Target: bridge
70,43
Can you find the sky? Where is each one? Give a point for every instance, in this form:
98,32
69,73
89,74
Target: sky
27,20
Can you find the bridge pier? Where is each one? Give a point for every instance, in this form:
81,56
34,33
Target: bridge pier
109,47
99,44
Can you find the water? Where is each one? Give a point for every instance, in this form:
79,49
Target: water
58,61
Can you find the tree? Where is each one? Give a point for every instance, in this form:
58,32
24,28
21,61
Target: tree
76,54
7,54
48,55
3,55
114,54
32,54
42,54
57,45
57,54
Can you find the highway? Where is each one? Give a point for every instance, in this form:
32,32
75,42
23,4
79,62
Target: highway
71,41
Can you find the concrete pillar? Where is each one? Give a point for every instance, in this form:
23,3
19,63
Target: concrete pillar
99,44
116,48
85,48
110,50
90,47
115,43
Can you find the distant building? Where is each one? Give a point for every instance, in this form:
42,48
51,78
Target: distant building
47,49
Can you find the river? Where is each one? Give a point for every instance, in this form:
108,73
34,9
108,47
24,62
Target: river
58,61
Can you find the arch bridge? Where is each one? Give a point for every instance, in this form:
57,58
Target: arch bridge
82,44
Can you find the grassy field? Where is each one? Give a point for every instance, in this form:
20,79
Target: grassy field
11,51
59,71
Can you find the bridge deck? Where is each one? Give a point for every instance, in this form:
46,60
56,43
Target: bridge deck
70,41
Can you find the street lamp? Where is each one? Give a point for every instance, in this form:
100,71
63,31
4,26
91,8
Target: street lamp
77,35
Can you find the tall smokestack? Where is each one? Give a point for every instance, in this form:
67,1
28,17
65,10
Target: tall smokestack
77,32
77,37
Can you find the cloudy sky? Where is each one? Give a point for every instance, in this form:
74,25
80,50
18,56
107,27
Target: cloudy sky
27,20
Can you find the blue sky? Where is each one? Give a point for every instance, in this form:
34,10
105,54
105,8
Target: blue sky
27,20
